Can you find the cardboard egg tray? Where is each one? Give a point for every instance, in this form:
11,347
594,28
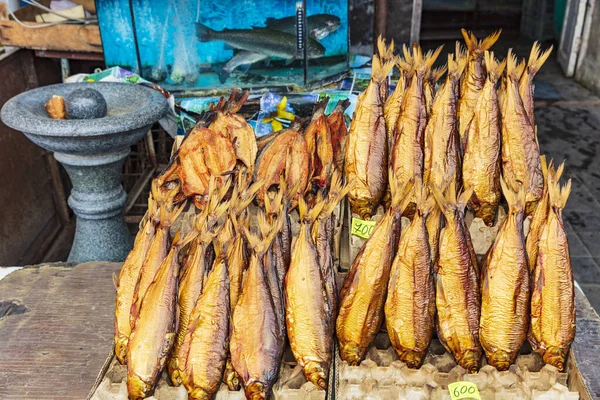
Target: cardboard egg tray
112,385
382,376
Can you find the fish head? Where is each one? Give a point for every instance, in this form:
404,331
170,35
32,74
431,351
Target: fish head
470,361
501,360
323,25
199,394
121,348
315,49
232,379
256,391
351,353
137,388
555,356
316,373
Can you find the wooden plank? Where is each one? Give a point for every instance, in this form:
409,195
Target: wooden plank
70,55
570,38
83,38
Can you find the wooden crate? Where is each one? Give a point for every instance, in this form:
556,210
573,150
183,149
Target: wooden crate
65,37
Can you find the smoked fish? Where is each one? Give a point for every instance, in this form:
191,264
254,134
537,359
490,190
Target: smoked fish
339,132
474,80
435,74
481,162
154,332
526,86
442,149
540,215
256,342
520,148
205,346
410,304
236,128
364,291
320,146
128,278
553,297
505,288
308,313
393,105
158,250
457,283
407,158
191,283
367,150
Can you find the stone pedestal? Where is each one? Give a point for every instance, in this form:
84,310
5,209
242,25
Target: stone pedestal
97,199
92,151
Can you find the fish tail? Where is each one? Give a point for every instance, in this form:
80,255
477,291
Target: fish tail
462,58
489,41
537,58
321,106
514,198
341,105
430,58
423,200
514,70
260,245
385,53
168,215
558,194
400,195
494,68
203,32
437,73
381,69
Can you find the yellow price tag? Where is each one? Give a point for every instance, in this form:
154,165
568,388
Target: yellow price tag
362,228
463,390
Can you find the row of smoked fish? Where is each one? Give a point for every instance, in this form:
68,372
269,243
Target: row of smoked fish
461,143
221,303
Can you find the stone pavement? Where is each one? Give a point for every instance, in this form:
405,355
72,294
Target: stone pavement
56,329
568,120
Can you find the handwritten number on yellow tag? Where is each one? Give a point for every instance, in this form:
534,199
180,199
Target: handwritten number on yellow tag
463,390
362,228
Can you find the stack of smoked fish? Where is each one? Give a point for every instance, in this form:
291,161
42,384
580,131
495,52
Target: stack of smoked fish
218,304
428,151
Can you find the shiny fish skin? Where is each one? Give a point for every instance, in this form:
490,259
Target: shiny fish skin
481,163
442,151
410,304
553,302
435,74
364,291
520,149
255,326
540,215
407,158
526,86
128,278
308,315
505,289
393,105
366,147
339,133
154,332
474,79
204,348
457,284
319,145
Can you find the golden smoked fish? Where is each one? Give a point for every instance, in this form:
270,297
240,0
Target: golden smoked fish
520,149
235,127
481,162
158,249
457,283
205,347
407,156
410,304
308,314
540,215
505,288
153,335
322,235
526,86
442,152
195,269
474,80
552,301
318,143
393,105
363,294
366,148
256,341
339,133
128,278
